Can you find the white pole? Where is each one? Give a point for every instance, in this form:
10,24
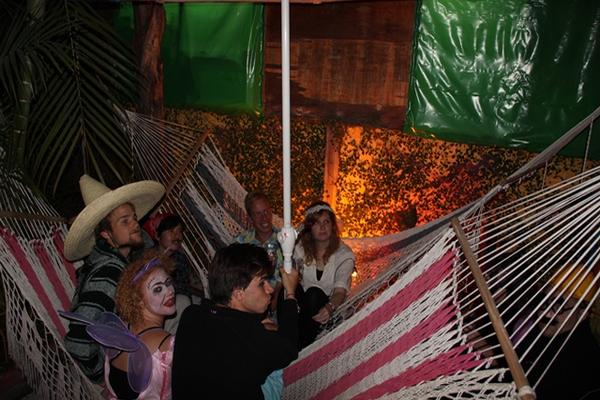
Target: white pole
285,108
288,235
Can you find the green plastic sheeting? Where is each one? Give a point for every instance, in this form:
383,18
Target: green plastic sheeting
212,55
511,73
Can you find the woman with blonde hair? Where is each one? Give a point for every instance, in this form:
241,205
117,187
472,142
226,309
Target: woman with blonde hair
327,265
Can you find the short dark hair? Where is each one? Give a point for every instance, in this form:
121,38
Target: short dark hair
234,267
169,222
251,197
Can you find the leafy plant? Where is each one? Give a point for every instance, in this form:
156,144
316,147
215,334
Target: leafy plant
66,78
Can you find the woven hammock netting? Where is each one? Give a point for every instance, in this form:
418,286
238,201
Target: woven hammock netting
415,327
37,281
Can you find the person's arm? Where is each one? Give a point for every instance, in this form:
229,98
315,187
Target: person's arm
280,348
341,287
335,300
275,297
288,319
96,297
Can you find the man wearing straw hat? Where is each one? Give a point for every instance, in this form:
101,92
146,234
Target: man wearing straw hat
104,233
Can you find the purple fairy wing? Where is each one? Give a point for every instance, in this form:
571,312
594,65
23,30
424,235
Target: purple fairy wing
75,317
111,319
110,352
118,338
139,369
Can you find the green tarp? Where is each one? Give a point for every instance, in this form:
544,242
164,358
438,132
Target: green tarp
511,73
212,55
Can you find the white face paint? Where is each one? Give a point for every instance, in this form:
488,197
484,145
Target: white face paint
159,293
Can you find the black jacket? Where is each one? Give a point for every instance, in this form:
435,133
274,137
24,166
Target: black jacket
222,353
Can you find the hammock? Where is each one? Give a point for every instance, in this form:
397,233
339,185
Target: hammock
417,338
37,281
399,335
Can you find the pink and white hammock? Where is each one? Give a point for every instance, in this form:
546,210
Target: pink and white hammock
37,281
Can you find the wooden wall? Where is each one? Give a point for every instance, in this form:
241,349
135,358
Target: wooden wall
348,61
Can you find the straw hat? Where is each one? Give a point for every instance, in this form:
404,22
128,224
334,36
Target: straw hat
575,282
99,202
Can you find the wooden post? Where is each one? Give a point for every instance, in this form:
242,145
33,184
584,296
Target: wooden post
332,164
149,29
523,387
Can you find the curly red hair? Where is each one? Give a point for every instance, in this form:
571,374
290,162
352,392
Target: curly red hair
129,297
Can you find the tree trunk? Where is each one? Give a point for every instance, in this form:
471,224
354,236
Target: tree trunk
149,29
332,163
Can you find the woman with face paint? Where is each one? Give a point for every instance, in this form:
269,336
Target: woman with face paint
168,231
145,296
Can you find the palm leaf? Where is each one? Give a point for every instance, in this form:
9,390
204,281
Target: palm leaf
84,76
37,40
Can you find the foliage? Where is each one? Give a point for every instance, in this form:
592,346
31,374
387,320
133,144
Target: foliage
388,180
65,78
251,147
386,175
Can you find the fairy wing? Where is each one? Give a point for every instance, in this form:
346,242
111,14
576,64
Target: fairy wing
111,319
75,317
112,333
105,318
139,368
110,336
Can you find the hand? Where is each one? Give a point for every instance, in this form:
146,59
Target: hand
289,280
322,316
269,324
